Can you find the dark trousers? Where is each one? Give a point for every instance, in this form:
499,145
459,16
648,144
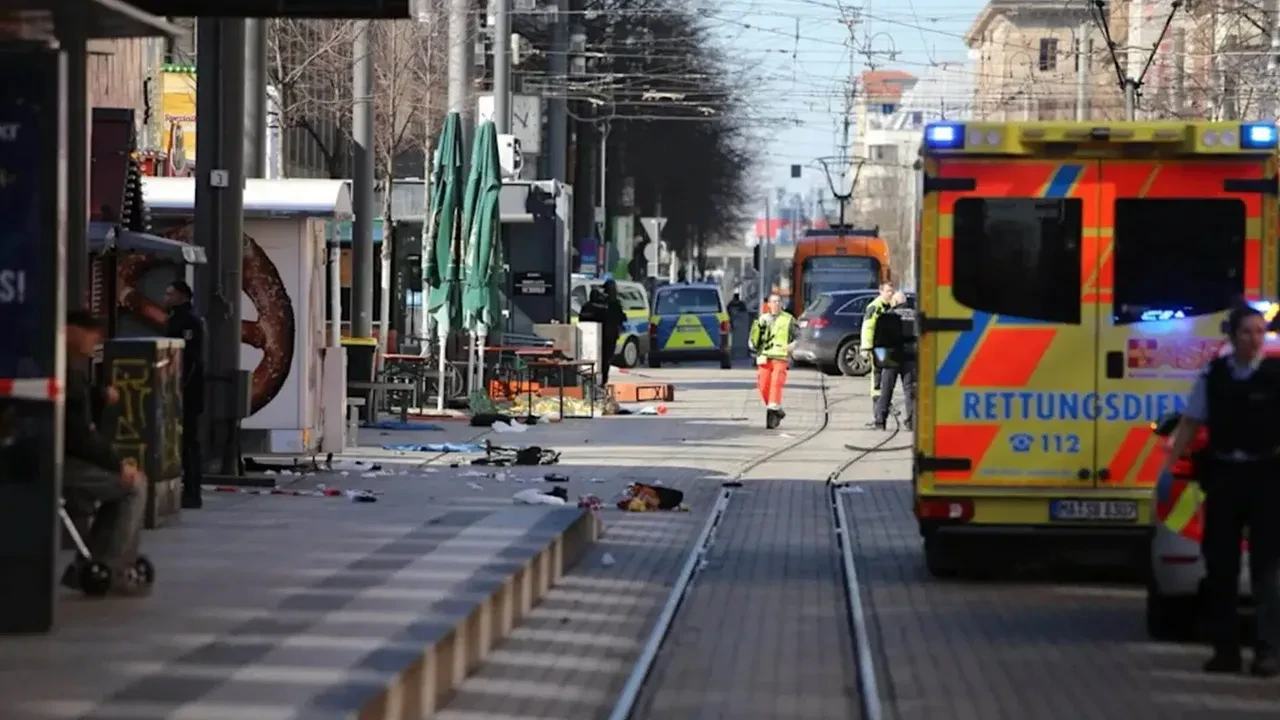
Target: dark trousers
608,346
192,455
107,513
889,377
1243,495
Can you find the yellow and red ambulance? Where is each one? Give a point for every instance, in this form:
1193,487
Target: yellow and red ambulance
1073,279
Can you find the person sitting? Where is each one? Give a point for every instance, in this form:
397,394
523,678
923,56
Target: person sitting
93,475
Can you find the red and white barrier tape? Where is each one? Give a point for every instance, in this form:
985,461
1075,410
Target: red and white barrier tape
362,496
31,388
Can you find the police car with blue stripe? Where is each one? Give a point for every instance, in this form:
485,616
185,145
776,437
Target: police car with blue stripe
689,322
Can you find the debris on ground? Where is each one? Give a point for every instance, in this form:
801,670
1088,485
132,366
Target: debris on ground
437,447
642,497
534,496
607,560
590,502
508,426
499,456
555,477
361,496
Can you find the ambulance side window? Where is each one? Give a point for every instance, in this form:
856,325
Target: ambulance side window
1177,257
1018,256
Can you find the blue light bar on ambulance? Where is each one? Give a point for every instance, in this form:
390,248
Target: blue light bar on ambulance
944,136
1258,136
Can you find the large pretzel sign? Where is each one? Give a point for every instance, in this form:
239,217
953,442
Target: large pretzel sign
273,332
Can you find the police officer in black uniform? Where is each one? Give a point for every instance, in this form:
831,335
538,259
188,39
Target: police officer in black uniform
1237,399
185,323
895,335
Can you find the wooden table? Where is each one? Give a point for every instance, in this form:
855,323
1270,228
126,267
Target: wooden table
561,366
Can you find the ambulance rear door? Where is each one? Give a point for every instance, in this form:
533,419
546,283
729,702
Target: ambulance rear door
1007,356
1182,240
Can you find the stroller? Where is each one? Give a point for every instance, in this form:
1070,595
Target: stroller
93,575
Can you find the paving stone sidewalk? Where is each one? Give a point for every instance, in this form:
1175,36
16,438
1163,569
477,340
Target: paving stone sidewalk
1062,645
571,659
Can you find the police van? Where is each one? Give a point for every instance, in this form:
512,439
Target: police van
633,341
1073,279
690,322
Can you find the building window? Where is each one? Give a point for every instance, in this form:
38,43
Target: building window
884,153
917,119
1048,54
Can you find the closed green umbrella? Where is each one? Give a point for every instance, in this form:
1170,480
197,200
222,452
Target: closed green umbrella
444,251
482,220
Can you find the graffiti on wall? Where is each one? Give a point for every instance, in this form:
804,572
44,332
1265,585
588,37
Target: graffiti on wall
131,377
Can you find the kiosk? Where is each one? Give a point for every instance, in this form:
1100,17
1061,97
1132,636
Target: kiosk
283,305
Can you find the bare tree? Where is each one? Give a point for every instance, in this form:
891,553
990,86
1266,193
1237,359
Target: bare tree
890,208
309,65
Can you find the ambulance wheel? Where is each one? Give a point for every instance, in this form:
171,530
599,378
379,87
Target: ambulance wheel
1171,618
630,355
852,362
654,362
938,560
726,361
95,579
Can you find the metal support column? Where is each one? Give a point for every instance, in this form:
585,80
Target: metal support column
71,37
502,66
557,106
1130,99
602,214
219,227
255,99
1084,57
362,184
460,42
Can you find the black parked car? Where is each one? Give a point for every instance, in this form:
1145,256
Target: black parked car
830,330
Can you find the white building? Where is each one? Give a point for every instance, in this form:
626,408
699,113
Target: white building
890,116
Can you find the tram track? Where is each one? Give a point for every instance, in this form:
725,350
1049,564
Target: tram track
868,691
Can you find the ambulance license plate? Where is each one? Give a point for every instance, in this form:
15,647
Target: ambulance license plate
1084,510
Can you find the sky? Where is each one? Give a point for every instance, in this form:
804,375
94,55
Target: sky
800,54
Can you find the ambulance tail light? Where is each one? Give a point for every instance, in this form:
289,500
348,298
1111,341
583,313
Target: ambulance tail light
944,136
947,510
1258,136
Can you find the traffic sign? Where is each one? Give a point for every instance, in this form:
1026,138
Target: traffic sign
653,226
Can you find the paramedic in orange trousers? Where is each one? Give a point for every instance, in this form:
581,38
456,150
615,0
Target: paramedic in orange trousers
771,340
1237,398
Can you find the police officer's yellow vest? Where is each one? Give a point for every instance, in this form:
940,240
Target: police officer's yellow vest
770,340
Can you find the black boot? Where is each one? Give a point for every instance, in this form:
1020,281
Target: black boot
1265,664
191,498
770,419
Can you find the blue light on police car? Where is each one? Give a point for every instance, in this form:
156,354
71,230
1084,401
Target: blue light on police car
1258,136
944,136
1158,315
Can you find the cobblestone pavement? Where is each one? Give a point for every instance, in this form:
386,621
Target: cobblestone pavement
571,659
1049,646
